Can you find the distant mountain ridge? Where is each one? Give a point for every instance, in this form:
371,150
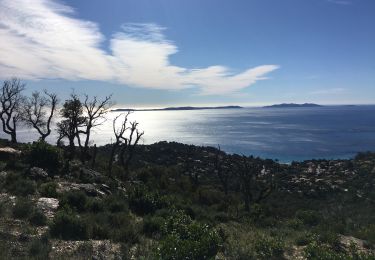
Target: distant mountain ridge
285,105
176,108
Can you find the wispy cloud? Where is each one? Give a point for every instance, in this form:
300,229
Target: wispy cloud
340,2
45,40
327,91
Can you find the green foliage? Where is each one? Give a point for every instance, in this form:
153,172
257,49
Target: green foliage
268,247
187,239
22,209
48,190
115,203
68,226
40,248
37,218
43,155
152,225
19,185
142,201
74,200
308,217
367,232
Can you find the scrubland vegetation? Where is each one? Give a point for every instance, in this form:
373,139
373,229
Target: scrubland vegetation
174,201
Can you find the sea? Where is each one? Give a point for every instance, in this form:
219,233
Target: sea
285,134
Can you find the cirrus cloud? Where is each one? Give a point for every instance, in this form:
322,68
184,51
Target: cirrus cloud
45,40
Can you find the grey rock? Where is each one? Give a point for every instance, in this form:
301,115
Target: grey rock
38,173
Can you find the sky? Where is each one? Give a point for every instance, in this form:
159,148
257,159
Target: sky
157,53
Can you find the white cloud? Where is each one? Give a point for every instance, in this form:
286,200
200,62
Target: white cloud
340,2
45,40
327,91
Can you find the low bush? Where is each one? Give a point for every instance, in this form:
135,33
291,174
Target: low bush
115,203
22,209
187,239
308,217
75,200
39,248
19,186
43,155
68,226
268,247
37,218
152,225
142,201
48,190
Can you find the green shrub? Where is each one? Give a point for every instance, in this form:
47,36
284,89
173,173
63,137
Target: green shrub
315,251
43,155
37,218
22,209
127,233
268,247
115,204
95,206
40,248
209,196
142,201
295,223
305,238
187,239
75,200
308,217
68,226
2,209
48,190
152,224
19,186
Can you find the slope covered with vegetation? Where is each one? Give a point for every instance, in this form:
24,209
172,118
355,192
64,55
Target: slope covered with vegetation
176,201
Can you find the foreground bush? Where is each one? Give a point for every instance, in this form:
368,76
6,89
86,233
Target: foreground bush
68,226
40,248
268,248
48,190
19,186
43,155
22,209
187,239
142,201
76,200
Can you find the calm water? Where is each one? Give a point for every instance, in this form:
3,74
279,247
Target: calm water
286,134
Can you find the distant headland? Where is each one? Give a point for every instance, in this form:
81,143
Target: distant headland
285,105
175,108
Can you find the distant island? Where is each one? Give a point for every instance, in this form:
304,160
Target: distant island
284,105
175,108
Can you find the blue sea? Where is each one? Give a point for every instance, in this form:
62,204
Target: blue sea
286,134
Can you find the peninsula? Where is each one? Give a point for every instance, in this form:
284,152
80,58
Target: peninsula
175,108
292,105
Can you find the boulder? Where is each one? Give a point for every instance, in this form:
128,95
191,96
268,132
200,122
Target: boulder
7,153
38,173
48,206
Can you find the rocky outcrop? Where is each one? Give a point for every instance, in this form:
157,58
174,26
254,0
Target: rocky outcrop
48,206
9,153
88,188
37,173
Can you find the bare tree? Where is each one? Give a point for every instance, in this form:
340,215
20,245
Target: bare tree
11,99
257,183
38,112
127,142
94,111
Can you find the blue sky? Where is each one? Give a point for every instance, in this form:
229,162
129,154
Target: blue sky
152,53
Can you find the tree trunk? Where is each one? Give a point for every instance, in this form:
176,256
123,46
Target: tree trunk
13,137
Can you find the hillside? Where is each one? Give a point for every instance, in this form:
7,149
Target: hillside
181,201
